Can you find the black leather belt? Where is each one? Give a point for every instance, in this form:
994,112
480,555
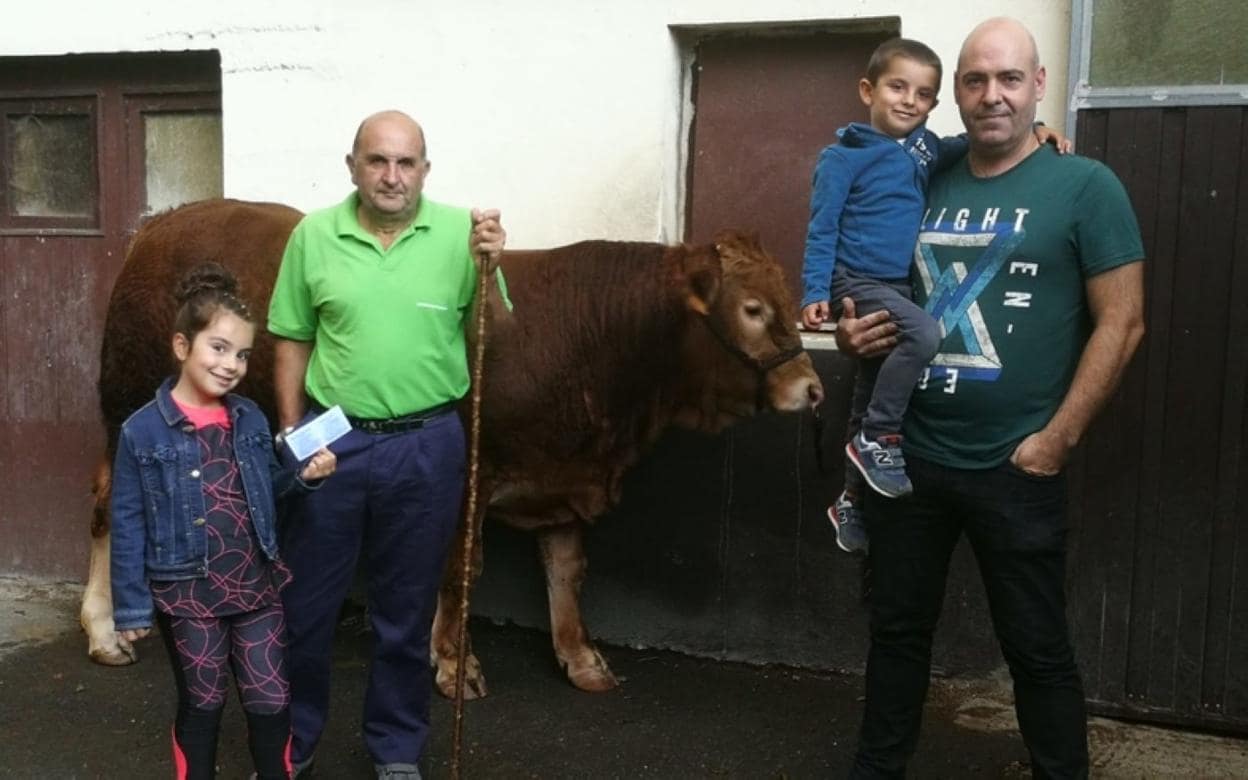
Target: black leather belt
408,422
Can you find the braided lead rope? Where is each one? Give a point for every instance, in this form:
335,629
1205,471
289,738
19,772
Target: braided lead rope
470,514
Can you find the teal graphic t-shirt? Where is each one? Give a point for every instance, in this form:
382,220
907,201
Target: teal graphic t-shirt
1001,264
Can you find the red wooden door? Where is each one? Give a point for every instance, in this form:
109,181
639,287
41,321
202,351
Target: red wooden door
88,145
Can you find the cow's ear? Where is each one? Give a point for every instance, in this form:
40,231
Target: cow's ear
702,275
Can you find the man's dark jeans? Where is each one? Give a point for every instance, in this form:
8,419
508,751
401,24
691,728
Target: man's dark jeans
1016,525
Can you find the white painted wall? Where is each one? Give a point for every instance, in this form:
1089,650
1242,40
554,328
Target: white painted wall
565,114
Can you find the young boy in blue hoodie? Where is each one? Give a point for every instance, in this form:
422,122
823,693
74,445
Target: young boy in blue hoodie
865,210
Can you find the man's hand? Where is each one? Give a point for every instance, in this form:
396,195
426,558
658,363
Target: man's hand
1042,454
815,315
134,634
864,337
488,238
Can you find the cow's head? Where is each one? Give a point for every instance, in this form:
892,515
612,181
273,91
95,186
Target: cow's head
742,349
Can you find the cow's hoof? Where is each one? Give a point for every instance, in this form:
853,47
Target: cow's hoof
592,680
119,654
589,672
474,680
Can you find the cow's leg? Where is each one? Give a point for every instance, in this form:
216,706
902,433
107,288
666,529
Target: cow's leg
96,616
444,641
563,557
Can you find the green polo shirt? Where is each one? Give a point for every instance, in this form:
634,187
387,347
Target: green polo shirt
387,325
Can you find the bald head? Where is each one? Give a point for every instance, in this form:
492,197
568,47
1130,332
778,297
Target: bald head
396,119
998,83
1001,31
388,164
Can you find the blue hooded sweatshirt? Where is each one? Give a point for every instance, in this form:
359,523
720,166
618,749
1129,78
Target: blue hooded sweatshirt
867,203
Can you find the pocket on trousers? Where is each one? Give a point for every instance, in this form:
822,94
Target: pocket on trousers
1009,468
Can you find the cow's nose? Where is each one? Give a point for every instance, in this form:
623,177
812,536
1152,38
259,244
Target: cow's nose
814,391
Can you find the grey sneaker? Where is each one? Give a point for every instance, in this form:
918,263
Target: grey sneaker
397,771
851,534
881,463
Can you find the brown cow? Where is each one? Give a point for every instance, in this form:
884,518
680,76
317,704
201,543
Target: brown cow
609,344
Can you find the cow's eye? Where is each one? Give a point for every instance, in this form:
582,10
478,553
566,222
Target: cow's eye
753,309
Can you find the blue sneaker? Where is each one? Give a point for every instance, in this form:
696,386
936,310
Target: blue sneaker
851,534
881,463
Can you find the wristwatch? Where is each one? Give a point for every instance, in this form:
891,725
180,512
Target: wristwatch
281,435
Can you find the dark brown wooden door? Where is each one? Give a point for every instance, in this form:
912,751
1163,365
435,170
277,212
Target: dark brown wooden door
88,145
1159,556
764,107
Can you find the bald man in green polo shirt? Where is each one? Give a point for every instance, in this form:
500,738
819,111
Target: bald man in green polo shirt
369,312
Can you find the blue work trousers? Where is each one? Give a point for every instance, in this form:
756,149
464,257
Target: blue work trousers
1016,526
396,499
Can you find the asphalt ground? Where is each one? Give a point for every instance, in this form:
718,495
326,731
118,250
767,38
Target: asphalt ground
61,716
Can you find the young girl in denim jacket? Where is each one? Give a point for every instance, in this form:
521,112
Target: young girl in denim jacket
194,543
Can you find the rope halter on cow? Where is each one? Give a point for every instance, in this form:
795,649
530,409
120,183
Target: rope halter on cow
760,366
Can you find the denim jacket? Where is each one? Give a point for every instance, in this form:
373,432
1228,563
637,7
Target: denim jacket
158,503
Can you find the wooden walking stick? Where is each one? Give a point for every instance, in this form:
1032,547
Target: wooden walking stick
470,513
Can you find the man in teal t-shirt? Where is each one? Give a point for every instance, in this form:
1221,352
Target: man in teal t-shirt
369,310
1030,262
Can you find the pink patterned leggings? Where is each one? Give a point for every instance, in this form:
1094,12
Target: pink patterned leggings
202,652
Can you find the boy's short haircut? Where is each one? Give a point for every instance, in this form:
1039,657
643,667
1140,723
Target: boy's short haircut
887,51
